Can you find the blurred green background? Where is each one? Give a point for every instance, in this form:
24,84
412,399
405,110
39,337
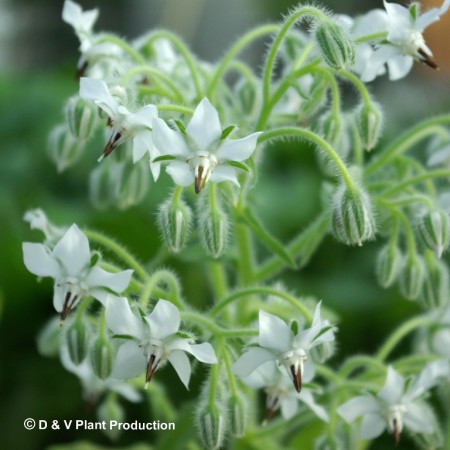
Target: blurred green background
38,54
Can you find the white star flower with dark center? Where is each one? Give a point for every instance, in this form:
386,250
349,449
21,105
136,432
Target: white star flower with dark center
152,341
397,405
75,269
287,345
405,42
280,392
201,154
126,125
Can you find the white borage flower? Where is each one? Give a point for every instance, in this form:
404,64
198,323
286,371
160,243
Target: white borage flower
280,392
38,221
405,42
396,406
152,341
201,154
93,386
75,269
288,345
126,125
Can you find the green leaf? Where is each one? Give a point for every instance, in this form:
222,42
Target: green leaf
122,336
413,11
239,165
180,126
164,158
227,131
267,239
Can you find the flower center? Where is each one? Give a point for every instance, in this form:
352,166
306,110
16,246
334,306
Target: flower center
395,415
202,164
293,362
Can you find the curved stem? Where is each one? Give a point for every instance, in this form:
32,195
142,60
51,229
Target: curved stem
358,84
359,361
176,108
162,276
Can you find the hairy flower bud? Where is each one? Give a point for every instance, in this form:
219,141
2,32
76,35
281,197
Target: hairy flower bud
388,265
335,45
434,230
64,150
103,183
133,185
77,337
369,120
412,277
81,117
237,406
212,425
102,357
435,291
175,222
352,216
111,409
48,339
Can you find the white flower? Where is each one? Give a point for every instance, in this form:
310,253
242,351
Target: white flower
396,405
76,274
154,340
126,125
279,342
94,386
280,392
39,221
200,155
405,41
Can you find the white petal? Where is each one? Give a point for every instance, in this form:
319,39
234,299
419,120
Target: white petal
125,390
377,60
144,117
39,261
399,66
400,20
308,371
121,320
358,406
393,387
155,168
182,366
117,282
204,352
97,91
432,15
58,297
71,13
273,332
142,144
417,420
264,375
251,360
428,378
307,397
72,251
168,141
130,361
289,407
372,426
237,149
375,21
204,127
180,172
164,320
224,173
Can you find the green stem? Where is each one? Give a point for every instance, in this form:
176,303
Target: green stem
365,96
118,250
264,291
176,108
245,258
202,320
123,45
280,133
245,40
400,333
167,277
226,358
359,361
407,140
218,279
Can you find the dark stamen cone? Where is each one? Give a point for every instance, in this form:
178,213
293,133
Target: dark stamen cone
396,433
427,60
111,145
81,71
151,369
296,378
199,180
67,307
271,410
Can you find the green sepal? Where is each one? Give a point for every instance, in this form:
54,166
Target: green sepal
163,158
239,165
227,131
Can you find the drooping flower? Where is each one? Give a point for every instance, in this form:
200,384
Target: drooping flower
280,392
76,270
125,124
155,339
405,42
288,346
201,154
397,405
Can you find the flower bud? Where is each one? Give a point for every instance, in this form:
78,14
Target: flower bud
237,406
103,183
434,230
436,284
214,226
48,339
81,117
175,221
133,185
412,277
77,337
111,409
63,148
388,265
352,216
102,357
335,45
369,120
212,425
